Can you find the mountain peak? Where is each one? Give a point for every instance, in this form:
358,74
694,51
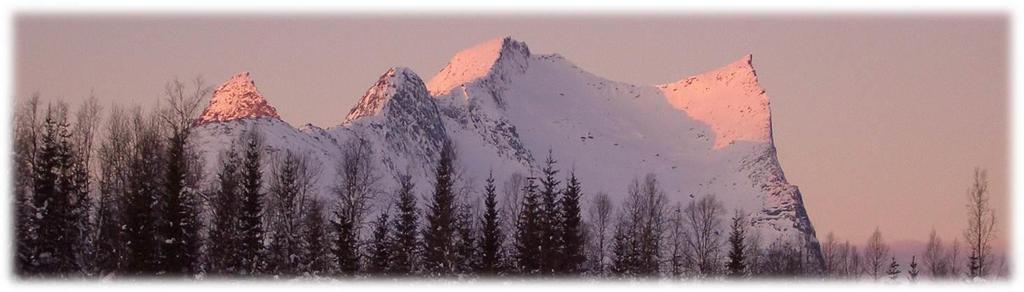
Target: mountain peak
398,84
237,98
728,99
495,56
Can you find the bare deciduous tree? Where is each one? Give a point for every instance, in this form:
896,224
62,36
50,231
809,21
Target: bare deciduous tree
981,222
876,252
359,179
934,257
183,104
704,219
679,256
954,259
600,217
830,253
512,191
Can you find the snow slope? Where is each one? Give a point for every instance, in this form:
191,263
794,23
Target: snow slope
504,108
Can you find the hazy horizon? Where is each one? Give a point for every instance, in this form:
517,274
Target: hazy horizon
878,119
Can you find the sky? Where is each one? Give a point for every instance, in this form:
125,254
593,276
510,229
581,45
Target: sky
879,119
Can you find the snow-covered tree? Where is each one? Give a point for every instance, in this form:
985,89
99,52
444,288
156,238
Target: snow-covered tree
406,239
438,236
491,235
736,266
572,231
380,249
528,230
894,269
225,235
913,272
315,257
251,211
551,255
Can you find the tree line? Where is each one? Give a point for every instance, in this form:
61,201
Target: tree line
137,203
971,260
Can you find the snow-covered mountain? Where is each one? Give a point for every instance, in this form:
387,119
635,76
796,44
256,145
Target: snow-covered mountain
504,108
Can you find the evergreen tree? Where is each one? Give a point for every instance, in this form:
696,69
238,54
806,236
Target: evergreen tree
466,257
894,269
251,212
225,235
52,201
624,263
26,141
283,251
405,227
913,272
528,230
345,249
81,225
737,259
973,266
142,222
314,257
491,233
551,234
380,247
439,253
180,250
572,230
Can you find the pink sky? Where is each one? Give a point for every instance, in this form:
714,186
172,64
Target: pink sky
878,119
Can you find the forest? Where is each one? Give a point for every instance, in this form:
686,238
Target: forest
122,193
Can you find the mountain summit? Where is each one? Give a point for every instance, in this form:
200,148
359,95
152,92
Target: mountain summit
728,99
236,99
490,58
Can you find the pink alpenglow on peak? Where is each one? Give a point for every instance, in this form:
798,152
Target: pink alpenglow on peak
236,99
728,99
478,62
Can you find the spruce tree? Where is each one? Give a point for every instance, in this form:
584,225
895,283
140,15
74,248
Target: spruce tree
894,269
466,257
26,141
973,266
405,228
491,233
913,272
439,253
251,212
380,247
528,231
81,225
624,263
572,227
54,238
142,221
551,234
345,249
225,235
314,255
283,252
180,251
737,259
